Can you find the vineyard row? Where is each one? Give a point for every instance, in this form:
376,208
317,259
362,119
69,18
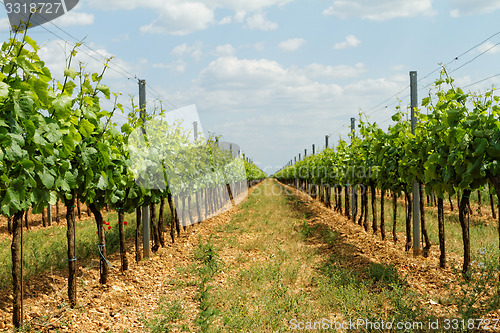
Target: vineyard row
57,143
454,149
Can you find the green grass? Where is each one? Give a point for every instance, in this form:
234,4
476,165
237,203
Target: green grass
208,264
286,269
165,316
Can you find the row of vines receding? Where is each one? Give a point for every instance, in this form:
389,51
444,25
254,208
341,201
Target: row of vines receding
454,151
58,143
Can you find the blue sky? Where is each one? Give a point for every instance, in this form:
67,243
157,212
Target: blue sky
276,76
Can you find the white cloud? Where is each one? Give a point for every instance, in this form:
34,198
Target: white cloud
236,5
468,7
239,16
334,72
225,50
455,13
119,4
195,50
381,10
376,87
259,22
480,87
181,19
226,20
291,44
239,73
4,24
178,66
121,38
182,51
463,81
350,41
489,47
246,5
228,83
259,46
73,18
233,82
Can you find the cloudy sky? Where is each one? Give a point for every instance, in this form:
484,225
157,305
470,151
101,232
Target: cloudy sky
276,76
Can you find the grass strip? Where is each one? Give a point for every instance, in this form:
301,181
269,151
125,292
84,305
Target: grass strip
281,273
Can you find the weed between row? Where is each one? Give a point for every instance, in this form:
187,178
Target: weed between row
165,316
206,264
